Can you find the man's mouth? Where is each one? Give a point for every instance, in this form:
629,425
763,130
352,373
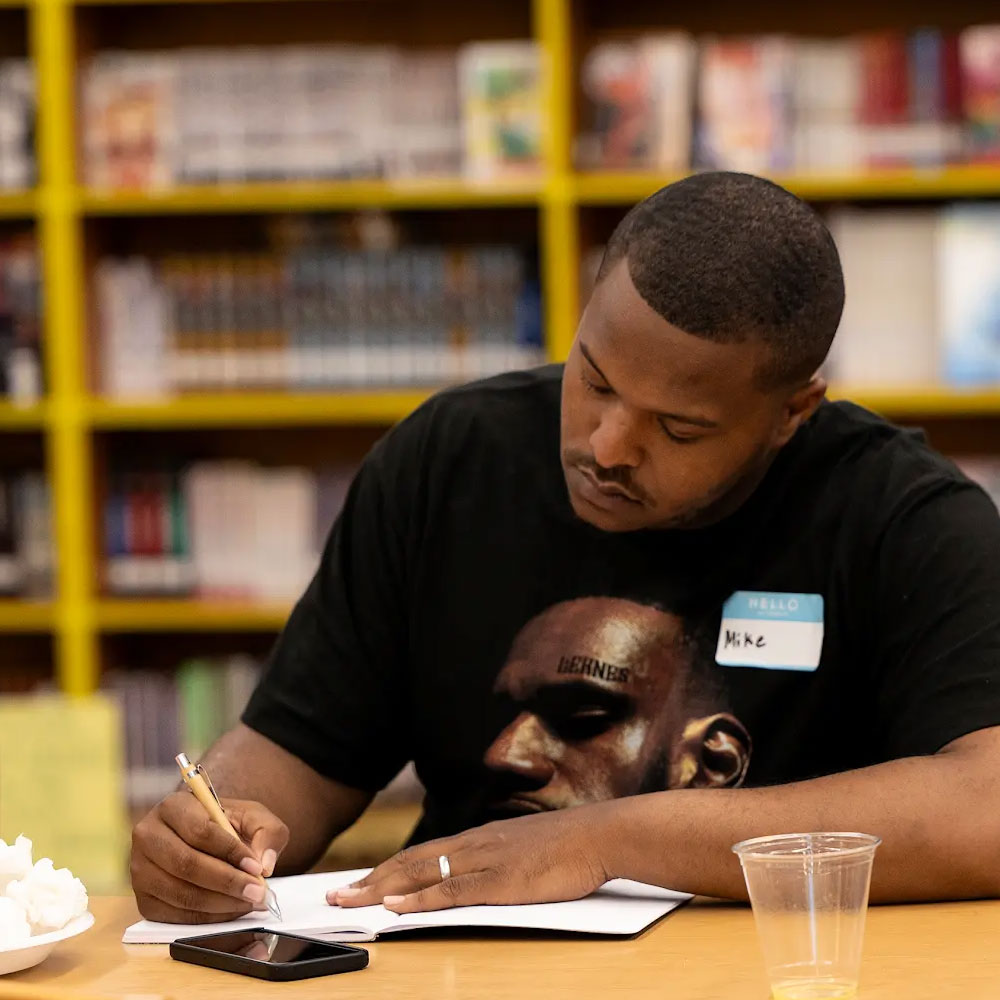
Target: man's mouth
596,490
517,805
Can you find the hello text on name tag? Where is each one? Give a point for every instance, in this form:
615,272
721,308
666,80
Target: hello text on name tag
775,631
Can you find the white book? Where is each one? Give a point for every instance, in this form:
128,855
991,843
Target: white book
621,908
889,331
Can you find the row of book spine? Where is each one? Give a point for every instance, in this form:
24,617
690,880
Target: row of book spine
20,320
779,103
226,530
315,318
208,115
166,712
17,125
26,543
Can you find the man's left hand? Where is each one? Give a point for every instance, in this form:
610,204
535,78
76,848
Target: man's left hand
542,858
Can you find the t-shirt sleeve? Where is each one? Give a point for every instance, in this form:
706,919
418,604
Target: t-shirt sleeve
334,690
937,611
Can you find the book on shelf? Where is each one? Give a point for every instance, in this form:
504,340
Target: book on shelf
315,318
980,65
222,530
165,712
26,546
777,103
213,115
20,320
640,93
17,125
888,334
500,85
969,258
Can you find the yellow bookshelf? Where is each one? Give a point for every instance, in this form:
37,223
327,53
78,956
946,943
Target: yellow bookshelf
953,182
17,204
299,197
25,616
253,409
927,401
23,418
72,421
188,616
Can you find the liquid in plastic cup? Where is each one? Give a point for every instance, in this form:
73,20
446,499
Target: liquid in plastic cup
809,893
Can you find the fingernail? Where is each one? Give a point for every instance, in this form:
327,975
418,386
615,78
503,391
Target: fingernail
269,860
393,900
251,866
347,893
254,893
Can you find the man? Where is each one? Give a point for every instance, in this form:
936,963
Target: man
843,577
609,698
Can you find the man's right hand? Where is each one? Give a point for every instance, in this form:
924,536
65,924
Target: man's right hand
187,870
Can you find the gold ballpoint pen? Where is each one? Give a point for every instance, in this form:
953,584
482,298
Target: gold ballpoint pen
198,782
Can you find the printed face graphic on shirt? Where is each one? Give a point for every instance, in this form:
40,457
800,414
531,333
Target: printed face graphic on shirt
605,703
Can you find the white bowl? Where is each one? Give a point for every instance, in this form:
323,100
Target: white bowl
38,948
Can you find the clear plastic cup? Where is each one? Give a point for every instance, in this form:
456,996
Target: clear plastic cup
809,893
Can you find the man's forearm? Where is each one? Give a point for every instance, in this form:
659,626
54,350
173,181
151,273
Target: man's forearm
245,765
937,818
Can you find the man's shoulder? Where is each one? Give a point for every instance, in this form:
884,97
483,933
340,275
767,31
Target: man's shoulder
892,465
514,414
508,408
512,393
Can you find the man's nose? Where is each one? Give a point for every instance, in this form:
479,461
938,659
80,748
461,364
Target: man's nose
614,442
522,749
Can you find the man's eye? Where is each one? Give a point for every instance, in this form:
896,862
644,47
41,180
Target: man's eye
583,723
597,390
680,438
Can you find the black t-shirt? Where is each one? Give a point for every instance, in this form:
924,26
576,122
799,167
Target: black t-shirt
463,617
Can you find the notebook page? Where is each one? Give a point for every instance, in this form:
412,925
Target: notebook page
621,907
304,909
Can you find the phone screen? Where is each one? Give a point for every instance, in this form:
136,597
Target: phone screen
267,946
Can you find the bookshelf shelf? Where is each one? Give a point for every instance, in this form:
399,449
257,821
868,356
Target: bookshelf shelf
33,417
258,410
306,197
953,182
923,401
19,204
165,615
26,616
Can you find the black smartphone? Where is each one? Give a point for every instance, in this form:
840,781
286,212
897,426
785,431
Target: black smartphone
268,954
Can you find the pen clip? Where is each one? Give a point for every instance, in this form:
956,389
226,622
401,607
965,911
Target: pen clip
208,781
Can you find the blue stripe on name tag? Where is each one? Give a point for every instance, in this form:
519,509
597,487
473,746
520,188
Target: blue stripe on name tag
761,605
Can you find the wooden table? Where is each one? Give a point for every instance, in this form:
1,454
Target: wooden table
705,951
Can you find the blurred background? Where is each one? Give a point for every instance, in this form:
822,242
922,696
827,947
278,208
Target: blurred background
238,240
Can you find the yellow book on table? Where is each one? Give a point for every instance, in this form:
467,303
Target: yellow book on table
61,784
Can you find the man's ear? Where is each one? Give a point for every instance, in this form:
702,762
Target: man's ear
712,752
799,407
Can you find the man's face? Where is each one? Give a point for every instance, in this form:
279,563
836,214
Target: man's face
661,428
596,689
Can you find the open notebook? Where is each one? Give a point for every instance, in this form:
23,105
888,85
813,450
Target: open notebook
620,907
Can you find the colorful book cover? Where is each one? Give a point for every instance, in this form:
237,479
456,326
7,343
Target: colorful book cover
969,294
501,88
979,55
745,104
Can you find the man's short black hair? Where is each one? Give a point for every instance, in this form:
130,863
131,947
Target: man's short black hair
732,257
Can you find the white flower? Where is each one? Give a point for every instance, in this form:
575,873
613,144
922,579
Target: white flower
51,898
15,861
14,927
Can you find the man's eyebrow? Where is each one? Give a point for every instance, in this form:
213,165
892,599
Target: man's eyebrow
678,417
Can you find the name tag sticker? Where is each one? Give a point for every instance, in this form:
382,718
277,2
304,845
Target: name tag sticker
774,631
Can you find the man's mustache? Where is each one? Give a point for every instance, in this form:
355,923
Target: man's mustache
618,475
